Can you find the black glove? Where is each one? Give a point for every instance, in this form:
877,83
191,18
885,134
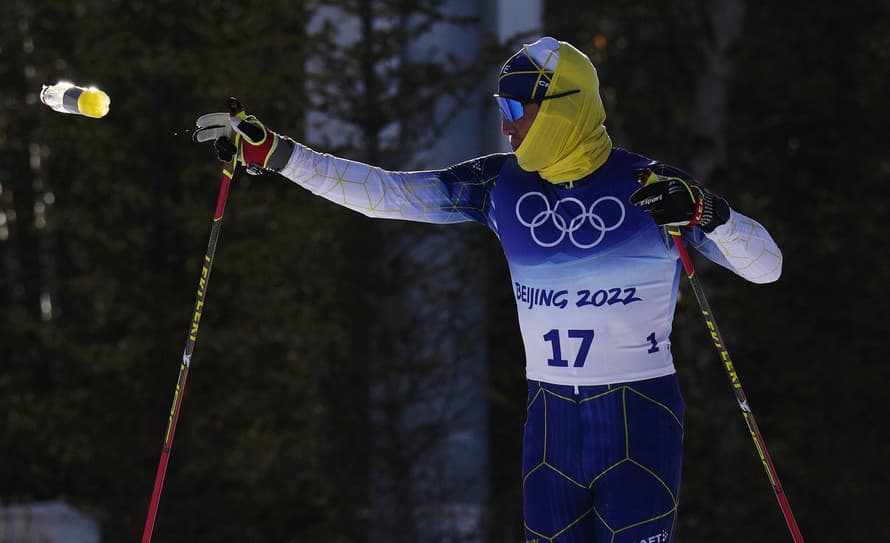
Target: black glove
675,201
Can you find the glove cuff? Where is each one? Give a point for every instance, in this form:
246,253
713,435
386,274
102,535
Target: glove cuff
715,211
281,154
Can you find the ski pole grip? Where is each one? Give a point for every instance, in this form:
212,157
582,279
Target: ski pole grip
234,105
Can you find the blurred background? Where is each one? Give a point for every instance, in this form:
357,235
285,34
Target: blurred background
362,381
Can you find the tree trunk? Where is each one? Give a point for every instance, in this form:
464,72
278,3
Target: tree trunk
726,18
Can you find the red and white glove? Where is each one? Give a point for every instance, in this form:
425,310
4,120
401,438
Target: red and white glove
243,138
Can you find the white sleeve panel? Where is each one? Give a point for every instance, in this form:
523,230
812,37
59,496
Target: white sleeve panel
748,248
437,196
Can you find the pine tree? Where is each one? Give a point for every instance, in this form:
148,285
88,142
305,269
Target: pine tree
384,93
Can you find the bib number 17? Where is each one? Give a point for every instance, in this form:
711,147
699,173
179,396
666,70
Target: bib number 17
552,337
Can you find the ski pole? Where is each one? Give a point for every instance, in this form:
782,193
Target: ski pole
227,174
717,337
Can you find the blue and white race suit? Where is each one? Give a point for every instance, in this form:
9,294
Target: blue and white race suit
595,283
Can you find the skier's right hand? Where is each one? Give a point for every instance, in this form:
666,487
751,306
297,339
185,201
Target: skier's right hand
243,138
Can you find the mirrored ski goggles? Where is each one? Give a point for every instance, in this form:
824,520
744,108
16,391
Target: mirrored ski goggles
511,108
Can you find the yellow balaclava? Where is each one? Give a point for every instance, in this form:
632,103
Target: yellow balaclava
568,139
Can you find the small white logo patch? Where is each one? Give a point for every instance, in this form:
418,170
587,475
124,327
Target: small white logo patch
657,538
650,200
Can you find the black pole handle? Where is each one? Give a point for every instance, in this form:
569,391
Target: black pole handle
234,105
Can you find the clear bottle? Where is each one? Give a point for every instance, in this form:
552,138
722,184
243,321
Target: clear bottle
69,98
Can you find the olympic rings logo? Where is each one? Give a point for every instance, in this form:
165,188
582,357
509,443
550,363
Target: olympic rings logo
582,216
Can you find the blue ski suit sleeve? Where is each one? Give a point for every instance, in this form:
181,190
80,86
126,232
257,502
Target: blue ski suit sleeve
459,193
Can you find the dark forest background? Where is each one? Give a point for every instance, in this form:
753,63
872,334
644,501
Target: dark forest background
778,106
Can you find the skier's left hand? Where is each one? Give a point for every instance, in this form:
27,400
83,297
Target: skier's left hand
243,138
674,201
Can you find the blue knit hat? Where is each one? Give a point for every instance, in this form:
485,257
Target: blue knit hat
527,74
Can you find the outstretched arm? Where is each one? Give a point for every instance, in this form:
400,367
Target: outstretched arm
456,194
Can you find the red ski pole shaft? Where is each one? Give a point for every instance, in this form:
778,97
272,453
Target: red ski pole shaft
227,174
717,337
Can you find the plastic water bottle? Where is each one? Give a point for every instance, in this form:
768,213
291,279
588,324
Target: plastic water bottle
69,98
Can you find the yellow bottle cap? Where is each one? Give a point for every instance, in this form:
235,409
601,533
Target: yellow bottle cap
94,103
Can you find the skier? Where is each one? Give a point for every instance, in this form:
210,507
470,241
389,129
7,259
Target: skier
595,276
